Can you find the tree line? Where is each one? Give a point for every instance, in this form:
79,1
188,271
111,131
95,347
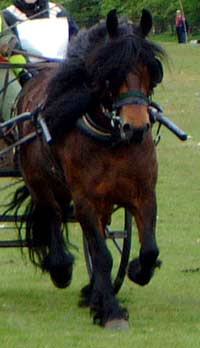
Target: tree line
88,12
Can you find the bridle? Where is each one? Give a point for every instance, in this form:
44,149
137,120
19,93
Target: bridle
128,132
136,97
117,132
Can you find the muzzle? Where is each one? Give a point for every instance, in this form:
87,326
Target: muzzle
131,134
128,132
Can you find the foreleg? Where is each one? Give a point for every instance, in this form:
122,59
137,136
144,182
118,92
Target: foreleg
103,302
142,268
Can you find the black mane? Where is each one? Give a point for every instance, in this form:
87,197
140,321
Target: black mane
93,60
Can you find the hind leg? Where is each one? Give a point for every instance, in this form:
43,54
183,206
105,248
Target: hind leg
59,261
50,196
142,268
48,246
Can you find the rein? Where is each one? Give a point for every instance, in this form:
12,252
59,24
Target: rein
87,125
39,123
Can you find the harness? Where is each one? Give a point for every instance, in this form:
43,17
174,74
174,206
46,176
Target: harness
88,127
113,136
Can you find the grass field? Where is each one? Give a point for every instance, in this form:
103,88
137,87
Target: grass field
34,314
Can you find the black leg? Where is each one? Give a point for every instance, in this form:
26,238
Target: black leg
142,268
59,261
48,246
100,293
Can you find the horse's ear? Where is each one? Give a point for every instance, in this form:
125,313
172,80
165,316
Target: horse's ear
112,23
146,22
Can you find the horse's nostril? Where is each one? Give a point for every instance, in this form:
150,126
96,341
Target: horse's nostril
147,126
129,133
126,127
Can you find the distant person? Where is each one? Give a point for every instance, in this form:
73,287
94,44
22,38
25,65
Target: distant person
181,27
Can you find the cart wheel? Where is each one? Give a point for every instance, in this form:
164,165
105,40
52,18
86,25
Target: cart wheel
119,243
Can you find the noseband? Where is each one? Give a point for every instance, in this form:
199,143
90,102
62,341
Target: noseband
131,97
118,132
128,132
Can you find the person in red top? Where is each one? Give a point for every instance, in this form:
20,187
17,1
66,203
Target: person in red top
181,27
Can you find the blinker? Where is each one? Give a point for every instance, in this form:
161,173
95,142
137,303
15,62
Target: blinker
156,72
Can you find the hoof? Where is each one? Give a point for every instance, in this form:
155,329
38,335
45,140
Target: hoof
61,276
139,275
116,324
60,279
136,274
60,272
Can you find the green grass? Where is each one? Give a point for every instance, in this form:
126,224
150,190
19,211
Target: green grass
168,36
34,314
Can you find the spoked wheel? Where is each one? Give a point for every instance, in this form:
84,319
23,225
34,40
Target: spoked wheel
119,244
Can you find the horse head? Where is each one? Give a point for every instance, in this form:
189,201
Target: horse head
142,71
109,75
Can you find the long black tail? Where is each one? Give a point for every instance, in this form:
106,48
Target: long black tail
20,195
19,207
37,220
28,214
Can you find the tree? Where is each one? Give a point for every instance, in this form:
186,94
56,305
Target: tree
85,12
88,12
5,3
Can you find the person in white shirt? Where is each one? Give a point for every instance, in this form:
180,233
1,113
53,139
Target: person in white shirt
24,10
